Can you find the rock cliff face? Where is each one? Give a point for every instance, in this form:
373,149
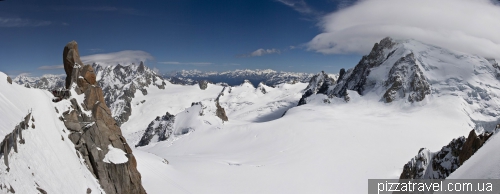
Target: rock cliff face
440,164
406,79
94,131
473,143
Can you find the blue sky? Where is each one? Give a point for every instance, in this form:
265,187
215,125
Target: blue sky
219,35
171,35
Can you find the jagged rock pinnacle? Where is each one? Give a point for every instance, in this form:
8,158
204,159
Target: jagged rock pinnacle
71,58
94,135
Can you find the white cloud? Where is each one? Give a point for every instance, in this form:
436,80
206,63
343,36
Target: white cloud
470,26
188,63
126,57
260,52
19,22
299,5
51,67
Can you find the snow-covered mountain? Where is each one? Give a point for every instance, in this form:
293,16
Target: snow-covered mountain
119,84
407,71
236,77
46,82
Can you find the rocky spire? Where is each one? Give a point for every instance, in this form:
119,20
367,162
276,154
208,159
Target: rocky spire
71,58
96,135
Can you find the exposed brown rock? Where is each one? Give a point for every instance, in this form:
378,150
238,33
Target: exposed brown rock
220,112
473,143
70,59
93,134
92,96
9,80
89,74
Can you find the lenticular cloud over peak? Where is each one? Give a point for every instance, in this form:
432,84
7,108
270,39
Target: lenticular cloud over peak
470,26
125,57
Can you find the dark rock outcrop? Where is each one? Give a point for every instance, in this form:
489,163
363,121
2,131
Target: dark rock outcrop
319,84
162,127
10,140
355,79
220,112
71,58
95,134
9,80
203,84
473,143
306,94
341,74
439,165
262,88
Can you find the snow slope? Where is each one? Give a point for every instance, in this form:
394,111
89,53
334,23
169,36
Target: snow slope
48,159
261,104
315,148
327,145
173,99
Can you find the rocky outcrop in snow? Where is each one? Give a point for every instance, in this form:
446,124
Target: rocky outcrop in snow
162,127
93,129
9,80
319,84
220,112
440,164
201,115
473,143
434,165
203,84
10,141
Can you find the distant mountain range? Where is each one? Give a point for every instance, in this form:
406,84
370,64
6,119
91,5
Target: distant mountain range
48,81
236,77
